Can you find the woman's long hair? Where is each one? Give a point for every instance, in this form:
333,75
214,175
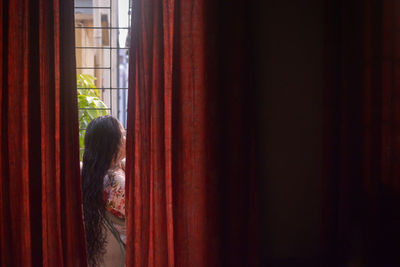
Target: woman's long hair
103,140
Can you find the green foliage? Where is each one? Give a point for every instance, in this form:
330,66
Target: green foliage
90,105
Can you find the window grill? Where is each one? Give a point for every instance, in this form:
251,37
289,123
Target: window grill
102,36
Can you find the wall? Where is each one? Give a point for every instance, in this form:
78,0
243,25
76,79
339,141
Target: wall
289,60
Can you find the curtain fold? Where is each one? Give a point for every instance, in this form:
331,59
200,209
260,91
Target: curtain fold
362,145
190,136
40,210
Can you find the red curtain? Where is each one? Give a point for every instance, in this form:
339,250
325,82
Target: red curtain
190,142
362,132
40,206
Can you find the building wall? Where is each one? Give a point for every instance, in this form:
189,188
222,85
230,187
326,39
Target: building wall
84,38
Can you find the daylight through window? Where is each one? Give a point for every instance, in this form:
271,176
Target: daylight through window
102,40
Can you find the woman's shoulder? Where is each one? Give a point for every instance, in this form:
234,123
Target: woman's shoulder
116,175
114,192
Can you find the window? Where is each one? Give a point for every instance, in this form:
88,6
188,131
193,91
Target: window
102,39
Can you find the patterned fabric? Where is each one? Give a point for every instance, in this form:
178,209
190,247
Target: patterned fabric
114,192
114,196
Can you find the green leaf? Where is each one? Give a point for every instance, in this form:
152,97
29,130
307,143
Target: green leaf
89,97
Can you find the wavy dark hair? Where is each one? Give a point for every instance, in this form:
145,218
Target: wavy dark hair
103,140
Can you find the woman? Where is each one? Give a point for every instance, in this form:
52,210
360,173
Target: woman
103,186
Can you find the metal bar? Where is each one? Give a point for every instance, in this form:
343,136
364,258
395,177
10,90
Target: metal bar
93,108
118,78
111,64
102,28
98,47
93,68
94,7
110,88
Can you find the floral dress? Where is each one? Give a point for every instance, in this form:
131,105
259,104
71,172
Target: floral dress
114,196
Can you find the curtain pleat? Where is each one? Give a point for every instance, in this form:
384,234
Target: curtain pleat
41,213
361,169
190,136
